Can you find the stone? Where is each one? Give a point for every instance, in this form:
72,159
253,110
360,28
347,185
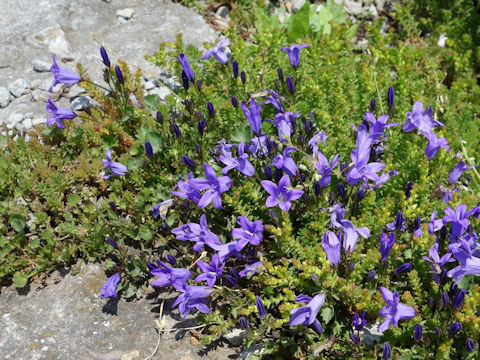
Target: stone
380,4
372,10
13,120
297,4
27,124
41,66
257,349
442,40
75,91
151,84
162,92
39,121
80,102
5,97
126,13
235,336
54,39
18,87
353,7
370,335
223,12
107,1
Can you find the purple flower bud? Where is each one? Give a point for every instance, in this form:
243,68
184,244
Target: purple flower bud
233,272
159,117
119,74
470,345
280,73
185,83
303,177
317,187
371,275
231,280
104,55
355,338
391,96
260,307
171,259
198,149
307,126
406,267
290,85
444,300
188,105
234,102
176,130
149,149
112,206
268,172
458,299
399,220
243,77
201,127
418,332
372,104
199,84
151,266
273,216
387,351
438,331
112,242
243,322
351,266
408,189
455,328
278,175
211,110
235,68
341,190
187,161
302,140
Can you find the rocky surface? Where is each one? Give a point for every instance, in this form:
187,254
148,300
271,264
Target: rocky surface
67,320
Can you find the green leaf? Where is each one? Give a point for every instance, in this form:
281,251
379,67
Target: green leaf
241,134
20,279
77,134
17,222
134,163
73,199
152,101
327,314
464,282
154,137
300,24
351,32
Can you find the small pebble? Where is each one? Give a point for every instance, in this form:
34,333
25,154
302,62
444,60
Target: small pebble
5,97
41,66
18,87
80,102
126,13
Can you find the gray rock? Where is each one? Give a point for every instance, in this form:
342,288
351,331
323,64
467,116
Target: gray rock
13,120
223,12
45,84
54,39
122,20
75,91
353,7
41,66
27,124
126,13
162,92
380,4
18,87
80,102
151,84
107,1
5,97
297,4
39,121
235,336
257,349
372,10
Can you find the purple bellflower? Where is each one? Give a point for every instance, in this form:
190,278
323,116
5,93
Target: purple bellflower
457,171
218,52
394,310
274,99
104,55
405,267
390,96
438,264
285,124
331,246
290,85
260,307
170,276
160,209
192,297
62,76
281,194
251,232
359,321
377,126
115,167
188,190
226,251
457,218
241,163
319,137
455,328
251,269
418,332
420,120
119,74
434,225
307,315
211,272
186,68
258,145
57,114
294,53
199,233
285,162
434,144
109,289
386,244
351,234
362,170
398,224
387,350
149,149
214,185
325,169
253,115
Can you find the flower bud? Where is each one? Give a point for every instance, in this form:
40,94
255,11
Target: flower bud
171,260
317,187
112,242
303,177
235,68
371,275
112,205
387,351
211,110
273,216
104,55
187,161
290,85
277,84
455,328
268,172
355,338
188,105
234,102
119,74
470,345
438,331
260,307
159,117
341,190
372,104
307,126
243,77
176,130
406,267
199,84
231,280
444,300
149,149
201,127
185,83
390,96
458,299
233,272
280,73
408,189
351,266
418,332
151,266
243,322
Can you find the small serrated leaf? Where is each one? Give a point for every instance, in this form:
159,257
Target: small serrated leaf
20,279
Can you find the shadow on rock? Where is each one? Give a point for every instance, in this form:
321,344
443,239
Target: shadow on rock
111,306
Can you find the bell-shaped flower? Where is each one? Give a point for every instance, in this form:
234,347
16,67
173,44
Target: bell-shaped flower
286,162
307,315
351,234
253,116
331,246
293,52
192,297
258,145
377,126
187,70
240,163
438,264
319,137
115,167
275,99
394,310
386,244
214,185
62,76
281,194
218,52
420,119
434,144
188,190
457,171
169,276
57,114
250,269
226,251
285,124
211,272
325,169
458,219
251,232
109,289
199,233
